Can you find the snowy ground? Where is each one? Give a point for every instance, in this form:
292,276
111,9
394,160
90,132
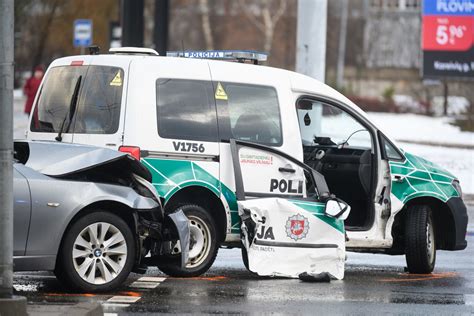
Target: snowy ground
415,127
424,129
411,127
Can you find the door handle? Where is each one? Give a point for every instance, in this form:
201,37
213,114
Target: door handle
285,169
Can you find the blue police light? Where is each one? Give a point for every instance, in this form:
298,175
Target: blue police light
233,55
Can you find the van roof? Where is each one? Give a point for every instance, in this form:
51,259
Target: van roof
299,82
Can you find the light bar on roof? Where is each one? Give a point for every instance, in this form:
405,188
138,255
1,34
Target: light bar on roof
235,55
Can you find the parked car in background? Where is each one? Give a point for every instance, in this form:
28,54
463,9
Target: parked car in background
89,214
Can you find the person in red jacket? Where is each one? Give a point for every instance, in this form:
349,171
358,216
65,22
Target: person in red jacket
31,87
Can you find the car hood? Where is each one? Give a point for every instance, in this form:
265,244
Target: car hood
426,165
61,159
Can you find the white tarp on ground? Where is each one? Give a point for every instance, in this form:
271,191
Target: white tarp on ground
287,238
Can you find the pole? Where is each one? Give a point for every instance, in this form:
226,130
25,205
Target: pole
132,22
341,54
9,304
160,34
445,98
311,38
6,148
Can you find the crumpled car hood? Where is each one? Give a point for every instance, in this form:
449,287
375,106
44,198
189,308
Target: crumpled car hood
62,159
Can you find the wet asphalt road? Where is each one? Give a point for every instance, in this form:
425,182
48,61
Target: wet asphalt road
374,284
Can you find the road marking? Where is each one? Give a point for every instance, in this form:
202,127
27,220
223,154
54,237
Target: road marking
144,285
124,299
151,279
421,277
147,282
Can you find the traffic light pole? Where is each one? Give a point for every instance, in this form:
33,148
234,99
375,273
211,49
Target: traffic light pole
9,304
160,34
132,22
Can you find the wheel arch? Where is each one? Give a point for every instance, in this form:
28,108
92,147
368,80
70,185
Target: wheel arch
204,197
121,210
445,230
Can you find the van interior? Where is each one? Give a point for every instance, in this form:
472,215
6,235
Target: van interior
340,148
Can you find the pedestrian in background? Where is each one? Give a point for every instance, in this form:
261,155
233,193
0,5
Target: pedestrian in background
31,87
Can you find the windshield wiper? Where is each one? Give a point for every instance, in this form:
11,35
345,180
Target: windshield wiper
72,110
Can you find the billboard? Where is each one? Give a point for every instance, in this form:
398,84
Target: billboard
448,39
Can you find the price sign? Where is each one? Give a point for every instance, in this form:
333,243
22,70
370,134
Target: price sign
448,38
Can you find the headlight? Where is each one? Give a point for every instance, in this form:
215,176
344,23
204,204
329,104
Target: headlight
457,186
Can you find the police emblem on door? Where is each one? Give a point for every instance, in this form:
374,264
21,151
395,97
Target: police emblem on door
297,227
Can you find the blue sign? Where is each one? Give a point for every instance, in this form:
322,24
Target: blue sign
448,7
82,33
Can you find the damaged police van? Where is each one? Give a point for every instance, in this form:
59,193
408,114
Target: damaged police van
178,116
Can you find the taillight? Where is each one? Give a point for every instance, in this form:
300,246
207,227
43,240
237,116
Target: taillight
131,150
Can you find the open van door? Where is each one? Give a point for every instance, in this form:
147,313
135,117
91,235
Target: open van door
288,234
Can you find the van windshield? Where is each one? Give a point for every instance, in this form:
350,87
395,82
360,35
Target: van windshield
98,104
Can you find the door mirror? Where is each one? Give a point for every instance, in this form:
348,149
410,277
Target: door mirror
337,209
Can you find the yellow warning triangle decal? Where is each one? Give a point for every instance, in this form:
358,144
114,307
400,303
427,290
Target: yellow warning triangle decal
117,81
220,93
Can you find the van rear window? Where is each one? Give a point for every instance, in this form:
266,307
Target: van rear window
97,108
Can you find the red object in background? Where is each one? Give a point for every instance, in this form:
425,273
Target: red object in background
448,33
31,87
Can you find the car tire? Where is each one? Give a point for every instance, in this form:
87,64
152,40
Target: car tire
203,245
420,240
96,262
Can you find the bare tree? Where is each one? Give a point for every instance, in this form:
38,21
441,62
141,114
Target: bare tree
206,23
48,9
265,15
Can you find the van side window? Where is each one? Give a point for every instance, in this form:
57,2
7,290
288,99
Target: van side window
323,124
249,113
186,110
98,110
391,151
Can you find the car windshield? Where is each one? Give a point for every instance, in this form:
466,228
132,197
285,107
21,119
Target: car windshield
98,104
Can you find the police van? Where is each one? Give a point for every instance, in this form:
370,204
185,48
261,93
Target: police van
179,114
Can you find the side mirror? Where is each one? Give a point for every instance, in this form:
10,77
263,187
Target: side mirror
337,209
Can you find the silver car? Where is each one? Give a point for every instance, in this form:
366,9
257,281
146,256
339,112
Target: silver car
89,214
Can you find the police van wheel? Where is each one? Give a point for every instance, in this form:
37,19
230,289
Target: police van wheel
203,244
420,241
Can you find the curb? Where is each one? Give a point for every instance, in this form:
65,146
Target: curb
80,309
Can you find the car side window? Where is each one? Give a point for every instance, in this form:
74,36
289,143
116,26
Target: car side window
325,124
186,110
248,112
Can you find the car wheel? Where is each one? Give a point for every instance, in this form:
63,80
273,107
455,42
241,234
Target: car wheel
203,245
97,253
420,240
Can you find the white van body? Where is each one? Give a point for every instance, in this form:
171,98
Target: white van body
197,169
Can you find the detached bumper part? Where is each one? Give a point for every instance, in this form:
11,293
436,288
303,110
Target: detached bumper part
181,223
